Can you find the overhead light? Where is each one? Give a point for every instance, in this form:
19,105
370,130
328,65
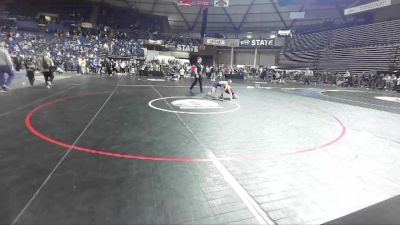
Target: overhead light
272,36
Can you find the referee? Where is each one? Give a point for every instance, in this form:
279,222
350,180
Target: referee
197,70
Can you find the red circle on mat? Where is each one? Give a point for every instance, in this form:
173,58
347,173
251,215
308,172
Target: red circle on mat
31,128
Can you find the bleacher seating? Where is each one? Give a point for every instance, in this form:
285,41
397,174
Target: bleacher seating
359,59
309,41
367,35
370,47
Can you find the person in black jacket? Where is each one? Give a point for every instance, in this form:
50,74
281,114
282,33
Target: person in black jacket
197,70
30,70
109,67
18,62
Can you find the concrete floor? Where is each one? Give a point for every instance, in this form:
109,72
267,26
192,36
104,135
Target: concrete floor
96,150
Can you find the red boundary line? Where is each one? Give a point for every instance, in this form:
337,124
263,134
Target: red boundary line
31,128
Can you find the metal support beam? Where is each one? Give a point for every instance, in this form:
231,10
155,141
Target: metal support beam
230,19
232,57
126,2
341,12
255,57
300,10
279,14
181,14
196,19
154,6
245,15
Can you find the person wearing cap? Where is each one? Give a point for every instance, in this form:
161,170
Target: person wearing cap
6,67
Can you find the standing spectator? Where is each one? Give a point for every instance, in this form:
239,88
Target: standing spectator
394,82
181,72
263,74
219,74
79,65
47,69
102,66
30,70
277,77
123,67
83,65
373,80
381,81
213,73
388,82
307,75
18,62
93,65
87,66
360,77
208,71
6,67
398,83
282,78
348,79
108,65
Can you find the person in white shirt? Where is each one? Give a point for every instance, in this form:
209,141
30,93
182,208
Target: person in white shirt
282,78
388,82
307,76
123,67
208,71
182,72
398,82
213,73
6,67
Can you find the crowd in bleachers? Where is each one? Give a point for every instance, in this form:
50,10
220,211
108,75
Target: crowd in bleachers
66,48
380,80
383,81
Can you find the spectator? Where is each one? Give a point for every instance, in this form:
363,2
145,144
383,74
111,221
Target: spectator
6,67
48,69
398,83
394,82
18,62
30,70
373,80
388,82
307,75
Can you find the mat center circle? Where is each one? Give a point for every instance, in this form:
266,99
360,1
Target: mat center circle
196,104
193,105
